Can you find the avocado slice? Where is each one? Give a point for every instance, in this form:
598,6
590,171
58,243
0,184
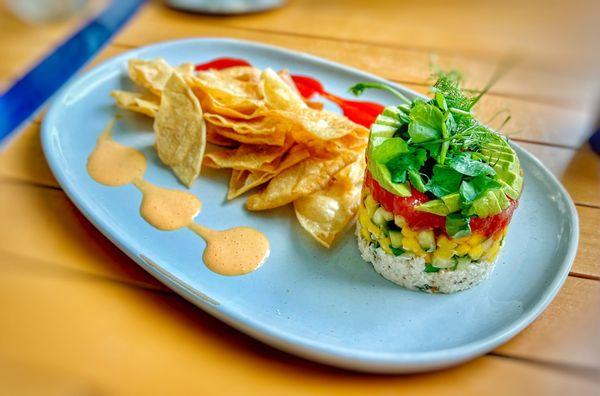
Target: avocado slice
379,130
504,148
382,174
486,205
509,190
435,206
392,112
452,201
501,197
510,157
390,121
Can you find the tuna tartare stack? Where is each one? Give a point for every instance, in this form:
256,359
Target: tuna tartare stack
439,192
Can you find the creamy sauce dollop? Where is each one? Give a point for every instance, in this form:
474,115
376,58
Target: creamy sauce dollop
236,251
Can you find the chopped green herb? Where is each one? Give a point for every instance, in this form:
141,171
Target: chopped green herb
389,149
359,88
399,165
431,268
397,251
444,181
463,162
426,122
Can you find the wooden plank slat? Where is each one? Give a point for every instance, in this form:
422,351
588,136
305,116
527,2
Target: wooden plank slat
564,331
378,50
43,224
395,63
142,335
550,38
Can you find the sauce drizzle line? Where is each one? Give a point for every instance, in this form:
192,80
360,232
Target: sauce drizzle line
236,251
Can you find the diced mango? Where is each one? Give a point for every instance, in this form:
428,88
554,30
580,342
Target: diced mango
371,205
476,251
443,253
412,245
460,240
385,244
475,239
428,258
373,229
363,218
445,243
408,233
365,233
462,249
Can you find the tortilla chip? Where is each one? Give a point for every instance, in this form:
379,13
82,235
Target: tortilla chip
326,213
140,103
247,156
226,95
278,95
180,130
245,180
242,73
254,126
297,181
277,139
215,138
309,124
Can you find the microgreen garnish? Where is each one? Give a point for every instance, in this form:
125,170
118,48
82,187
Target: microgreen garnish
359,88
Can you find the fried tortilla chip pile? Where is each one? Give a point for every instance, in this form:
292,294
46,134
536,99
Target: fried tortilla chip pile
263,130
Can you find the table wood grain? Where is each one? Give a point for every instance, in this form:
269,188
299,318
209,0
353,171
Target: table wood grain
80,317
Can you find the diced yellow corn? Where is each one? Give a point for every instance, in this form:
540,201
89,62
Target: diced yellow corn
476,251
407,232
411,244
373,229
444,243
462,249
363,218
371,205
385,244
365,233
443,253
460,240
475,239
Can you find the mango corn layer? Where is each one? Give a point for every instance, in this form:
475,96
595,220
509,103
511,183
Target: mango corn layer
393,235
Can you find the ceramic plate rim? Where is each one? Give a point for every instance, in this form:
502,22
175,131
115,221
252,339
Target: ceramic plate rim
380,362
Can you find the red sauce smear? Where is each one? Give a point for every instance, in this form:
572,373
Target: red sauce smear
221,63
363,113
405,207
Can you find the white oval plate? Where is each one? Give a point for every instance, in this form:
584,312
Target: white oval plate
324,305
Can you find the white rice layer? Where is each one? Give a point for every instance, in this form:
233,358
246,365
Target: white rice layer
408,270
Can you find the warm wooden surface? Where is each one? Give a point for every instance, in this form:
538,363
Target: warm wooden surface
79,317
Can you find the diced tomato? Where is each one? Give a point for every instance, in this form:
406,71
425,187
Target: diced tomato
405,207
493,224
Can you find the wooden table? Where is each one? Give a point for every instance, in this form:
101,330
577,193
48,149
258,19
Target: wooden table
79,317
